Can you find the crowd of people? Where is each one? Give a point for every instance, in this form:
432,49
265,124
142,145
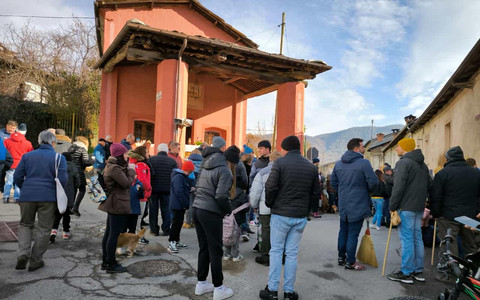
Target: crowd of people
282,189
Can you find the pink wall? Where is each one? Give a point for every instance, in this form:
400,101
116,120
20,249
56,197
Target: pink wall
179,18
290,101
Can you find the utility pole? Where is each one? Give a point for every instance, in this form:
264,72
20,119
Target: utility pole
371,132
274,135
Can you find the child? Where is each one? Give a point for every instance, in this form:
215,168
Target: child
72,184
179,202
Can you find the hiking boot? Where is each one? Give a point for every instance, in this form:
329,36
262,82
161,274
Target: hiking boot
263,260
355,266
399,276
341,261
418,276
35,265
143,241
66,235
290,296
21,262
116,268
203,287
268,294
172,247
222,292
238,258
181,245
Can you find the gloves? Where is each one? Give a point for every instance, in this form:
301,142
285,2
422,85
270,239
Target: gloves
224,205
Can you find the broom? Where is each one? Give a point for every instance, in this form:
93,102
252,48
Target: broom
366,251
386,249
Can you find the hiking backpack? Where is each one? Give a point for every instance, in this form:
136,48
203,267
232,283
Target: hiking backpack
231,230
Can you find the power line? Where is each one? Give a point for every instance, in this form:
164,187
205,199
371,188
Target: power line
46,17
265,30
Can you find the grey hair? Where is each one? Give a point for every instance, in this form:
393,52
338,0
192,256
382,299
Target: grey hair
108,137
129,136
46,137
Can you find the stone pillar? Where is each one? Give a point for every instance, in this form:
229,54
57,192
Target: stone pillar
239,121
108,106
290,102
165,101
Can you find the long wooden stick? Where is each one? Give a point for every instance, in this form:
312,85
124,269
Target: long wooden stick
433,244
386,249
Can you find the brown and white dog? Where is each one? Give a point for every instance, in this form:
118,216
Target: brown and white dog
130,240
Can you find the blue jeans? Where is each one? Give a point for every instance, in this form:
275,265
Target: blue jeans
348,239
8,186
378,202
285,235
410,232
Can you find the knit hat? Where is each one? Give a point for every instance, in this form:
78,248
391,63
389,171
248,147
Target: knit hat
117,149
454,153
188,166
247,149
232,154
218,142
407,144
22,128
387,168
265,144
315,160
291,143
162,147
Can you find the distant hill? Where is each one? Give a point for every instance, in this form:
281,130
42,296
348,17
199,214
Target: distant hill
331,146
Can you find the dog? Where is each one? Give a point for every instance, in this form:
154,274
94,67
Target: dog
129,240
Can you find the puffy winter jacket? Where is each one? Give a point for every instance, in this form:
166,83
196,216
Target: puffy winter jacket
63,144
257,191
353,178
456,191
72,184
118,180
292,186
80,158
261,163
411,183
179,190
214,183
6,158
162,167
17,145
143,173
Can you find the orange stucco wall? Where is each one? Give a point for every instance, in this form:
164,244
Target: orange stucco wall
179,18
290,100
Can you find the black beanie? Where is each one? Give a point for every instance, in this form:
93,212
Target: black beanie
265,144
291,143
232,154
454,153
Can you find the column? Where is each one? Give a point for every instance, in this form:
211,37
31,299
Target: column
239,121
290,102
108,105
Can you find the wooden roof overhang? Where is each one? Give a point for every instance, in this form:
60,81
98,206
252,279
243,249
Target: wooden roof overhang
250,70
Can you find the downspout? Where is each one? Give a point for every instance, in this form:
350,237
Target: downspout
178,83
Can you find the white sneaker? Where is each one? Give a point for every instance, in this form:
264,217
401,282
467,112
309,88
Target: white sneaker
238,258
377,227
203,287
226,257
172,247
222,292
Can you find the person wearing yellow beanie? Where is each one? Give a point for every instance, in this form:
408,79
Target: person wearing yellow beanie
406,145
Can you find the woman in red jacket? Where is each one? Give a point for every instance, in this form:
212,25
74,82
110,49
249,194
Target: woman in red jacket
138,157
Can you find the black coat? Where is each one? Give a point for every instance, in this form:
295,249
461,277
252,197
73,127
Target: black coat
161,167
81,159
388,184
456,191
292,186
380,190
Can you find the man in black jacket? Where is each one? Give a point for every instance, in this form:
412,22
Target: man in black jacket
388,178
264,149
290,190
162,167
455,193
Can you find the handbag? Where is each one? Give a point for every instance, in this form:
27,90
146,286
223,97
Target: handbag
62,198
395,218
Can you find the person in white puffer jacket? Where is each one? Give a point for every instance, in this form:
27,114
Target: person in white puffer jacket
257,200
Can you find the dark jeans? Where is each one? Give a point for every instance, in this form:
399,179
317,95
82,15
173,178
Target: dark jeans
131,224
265,221
177,222
209,227
348,239
457,230
79,193
115,225
66,220
386,211
159,200
145,212
2,177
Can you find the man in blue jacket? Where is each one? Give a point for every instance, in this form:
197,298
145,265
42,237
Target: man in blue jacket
99,153
354,179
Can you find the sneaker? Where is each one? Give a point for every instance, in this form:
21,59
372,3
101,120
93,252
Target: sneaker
245,237
399,276
222,292
238,258
116,268
21,262
268,294
5,200
355,266
418,276
181,245
53,235
172,247
76,212
143,241
341,261
377,227
203,287
35,265
227,257
66,235
372,225
316,215
290,296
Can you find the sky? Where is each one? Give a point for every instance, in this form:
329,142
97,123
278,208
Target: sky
389,58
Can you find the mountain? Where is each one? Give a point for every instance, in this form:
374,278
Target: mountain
331,146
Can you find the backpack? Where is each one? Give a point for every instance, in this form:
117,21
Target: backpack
97,188
231,230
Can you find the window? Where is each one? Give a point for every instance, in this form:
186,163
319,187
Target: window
144,130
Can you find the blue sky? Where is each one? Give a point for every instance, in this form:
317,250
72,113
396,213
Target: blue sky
389,58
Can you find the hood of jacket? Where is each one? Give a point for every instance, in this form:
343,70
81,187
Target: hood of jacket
214,159
134,156
178,171
455,162
80,144
350,156
112,160
415,155
17,137
62,138
195,157
209,151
